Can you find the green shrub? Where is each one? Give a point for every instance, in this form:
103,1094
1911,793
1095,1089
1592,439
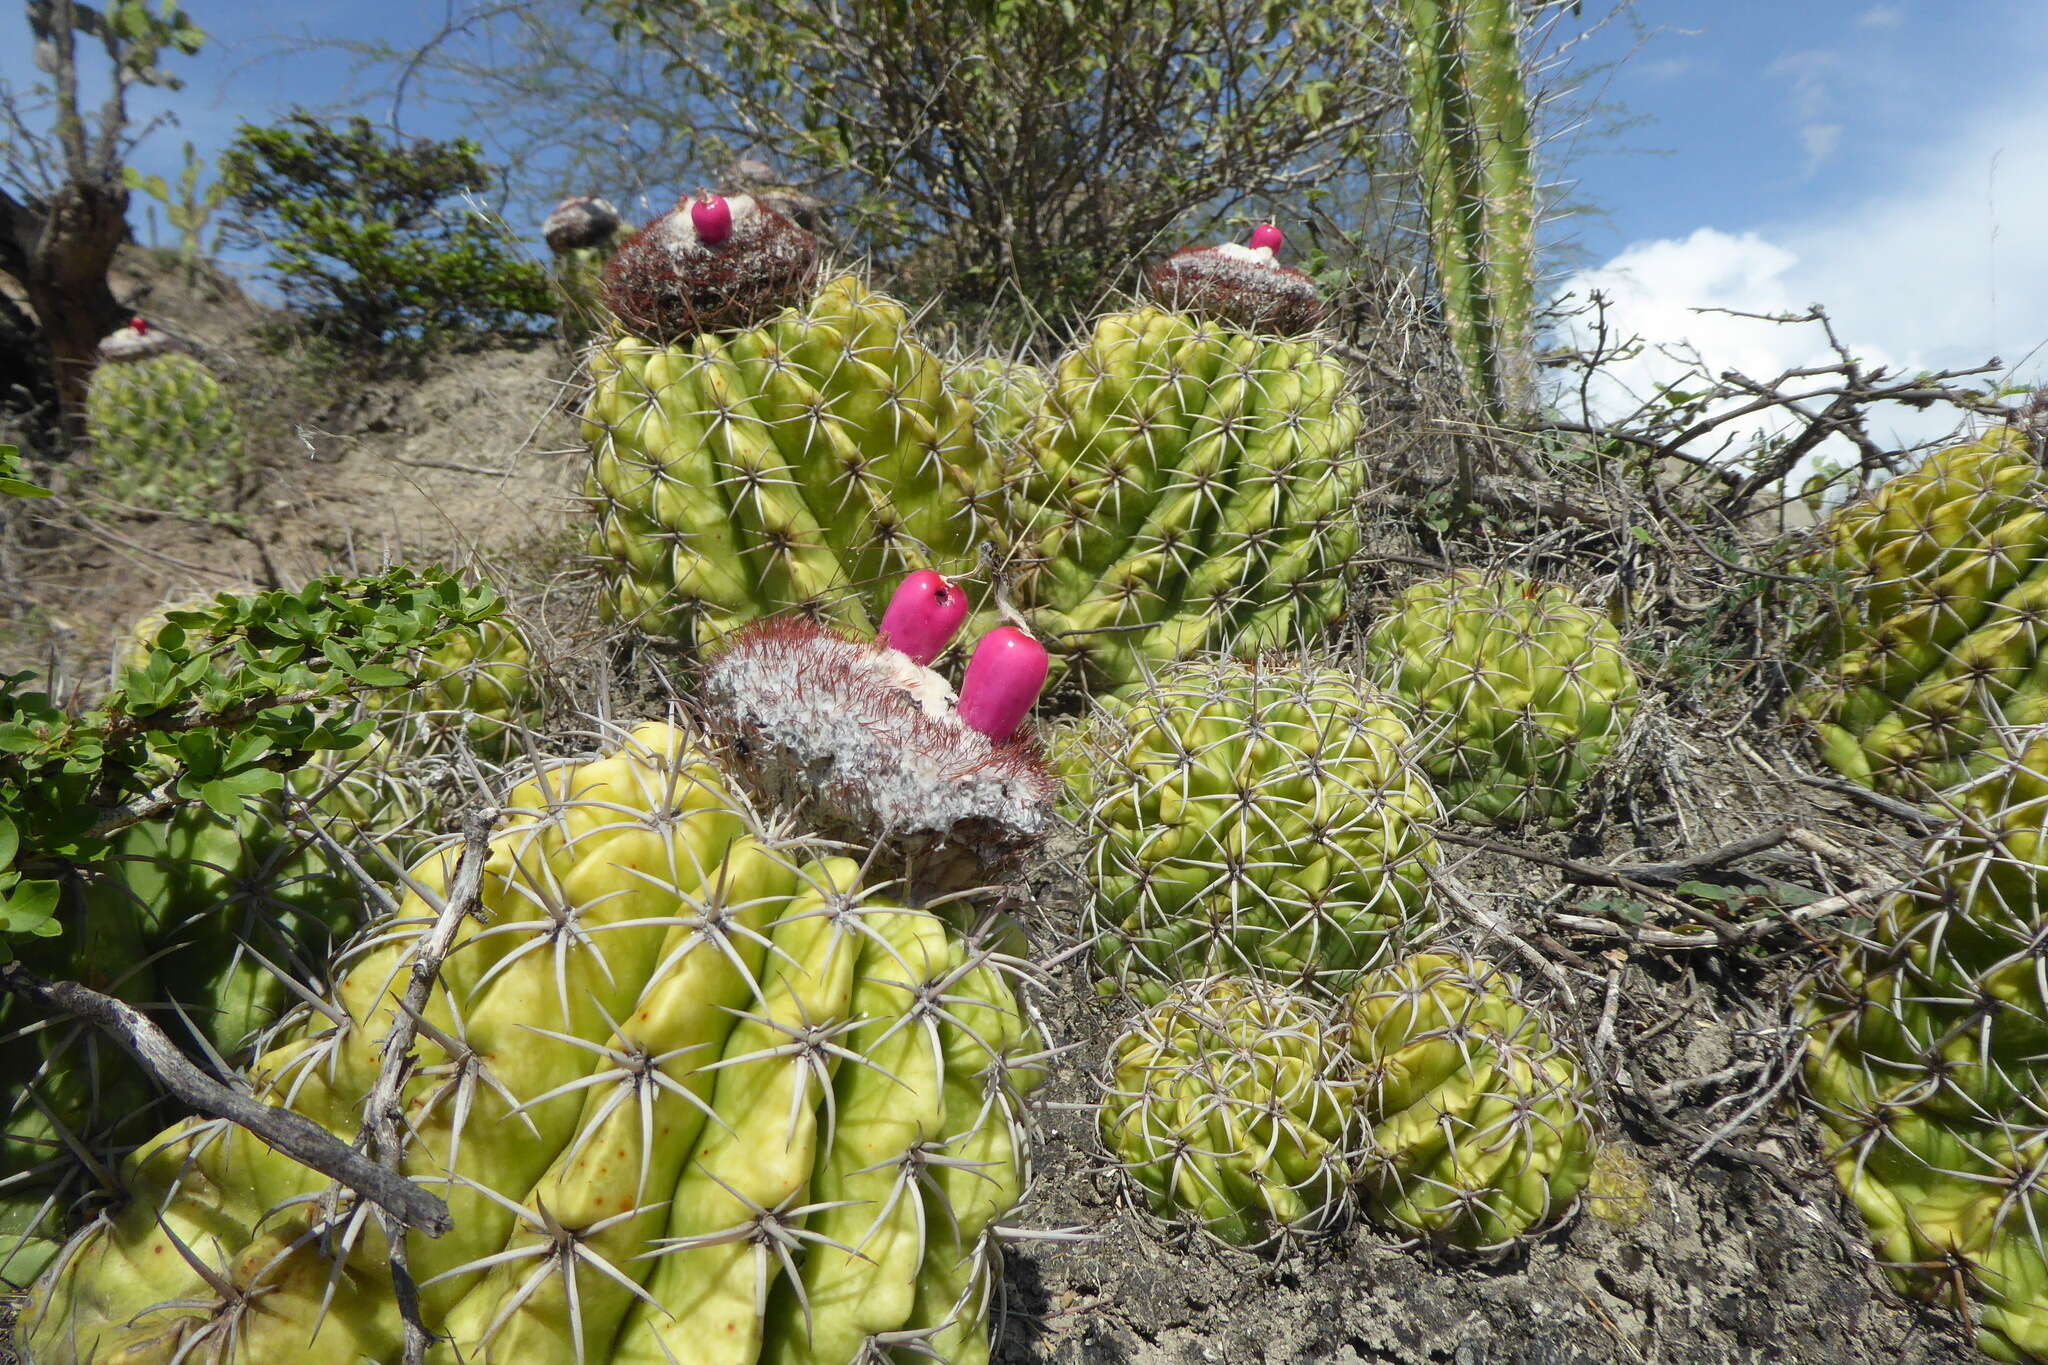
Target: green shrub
373,239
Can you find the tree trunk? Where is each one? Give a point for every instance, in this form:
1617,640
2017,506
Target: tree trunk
64,271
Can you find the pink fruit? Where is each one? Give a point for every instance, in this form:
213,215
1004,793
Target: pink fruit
712,217
1268,236
922,617
1003,681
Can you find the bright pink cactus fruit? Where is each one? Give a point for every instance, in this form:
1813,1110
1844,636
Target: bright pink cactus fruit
712,217
1266,235
1003,681
922,617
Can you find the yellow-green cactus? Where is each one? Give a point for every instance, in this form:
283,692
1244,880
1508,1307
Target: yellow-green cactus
1925,1063
164,435
1257,818
689,1096
1937,587
1228,1107
759,445
1519,691
1479,1132
1006,395
1192,483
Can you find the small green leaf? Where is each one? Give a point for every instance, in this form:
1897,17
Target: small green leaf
29,908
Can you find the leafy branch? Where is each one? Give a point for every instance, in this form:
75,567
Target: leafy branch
224,700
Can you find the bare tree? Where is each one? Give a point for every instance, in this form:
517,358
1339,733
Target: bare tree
63,204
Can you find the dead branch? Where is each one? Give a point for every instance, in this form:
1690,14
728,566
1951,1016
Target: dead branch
406,1204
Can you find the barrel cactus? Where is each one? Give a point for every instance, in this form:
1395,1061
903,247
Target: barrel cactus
760,444
1479,1130
690,1095
582,233
1927,1056
164,435
1228,1107
1192,476
1937,613
1520,691
1255,818
480,683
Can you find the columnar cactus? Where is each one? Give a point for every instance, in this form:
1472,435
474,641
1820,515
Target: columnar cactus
1255,818
1938,614
1228,1107
1520,692
1468,116
1193,475
759,444
689,1096
164,434
1927,1057
1479,1132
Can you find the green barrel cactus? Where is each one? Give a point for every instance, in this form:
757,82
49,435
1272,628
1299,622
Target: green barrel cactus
1260,819
1936,617
1193,476
690,1094
481,683
758,444
1520,691
164,435
1927,1060
581,233
1227,1106
1479,1132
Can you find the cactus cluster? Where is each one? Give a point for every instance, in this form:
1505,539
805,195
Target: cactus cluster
1938,612
1927,1059
805,457
1187,480
690,1093
1433,1094
164,435
1251,818
1479,1129
1520,692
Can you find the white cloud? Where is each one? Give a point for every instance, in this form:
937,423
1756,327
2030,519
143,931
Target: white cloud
1820,141
1882,16
1938,265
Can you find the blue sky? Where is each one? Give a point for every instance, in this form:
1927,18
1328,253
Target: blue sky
1887,157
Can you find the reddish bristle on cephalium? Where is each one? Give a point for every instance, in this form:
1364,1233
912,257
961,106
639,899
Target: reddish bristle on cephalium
1240,286
816,718
1003,681
715,264
923,617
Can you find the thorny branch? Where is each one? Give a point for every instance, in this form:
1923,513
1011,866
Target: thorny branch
405,1204
381,1113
